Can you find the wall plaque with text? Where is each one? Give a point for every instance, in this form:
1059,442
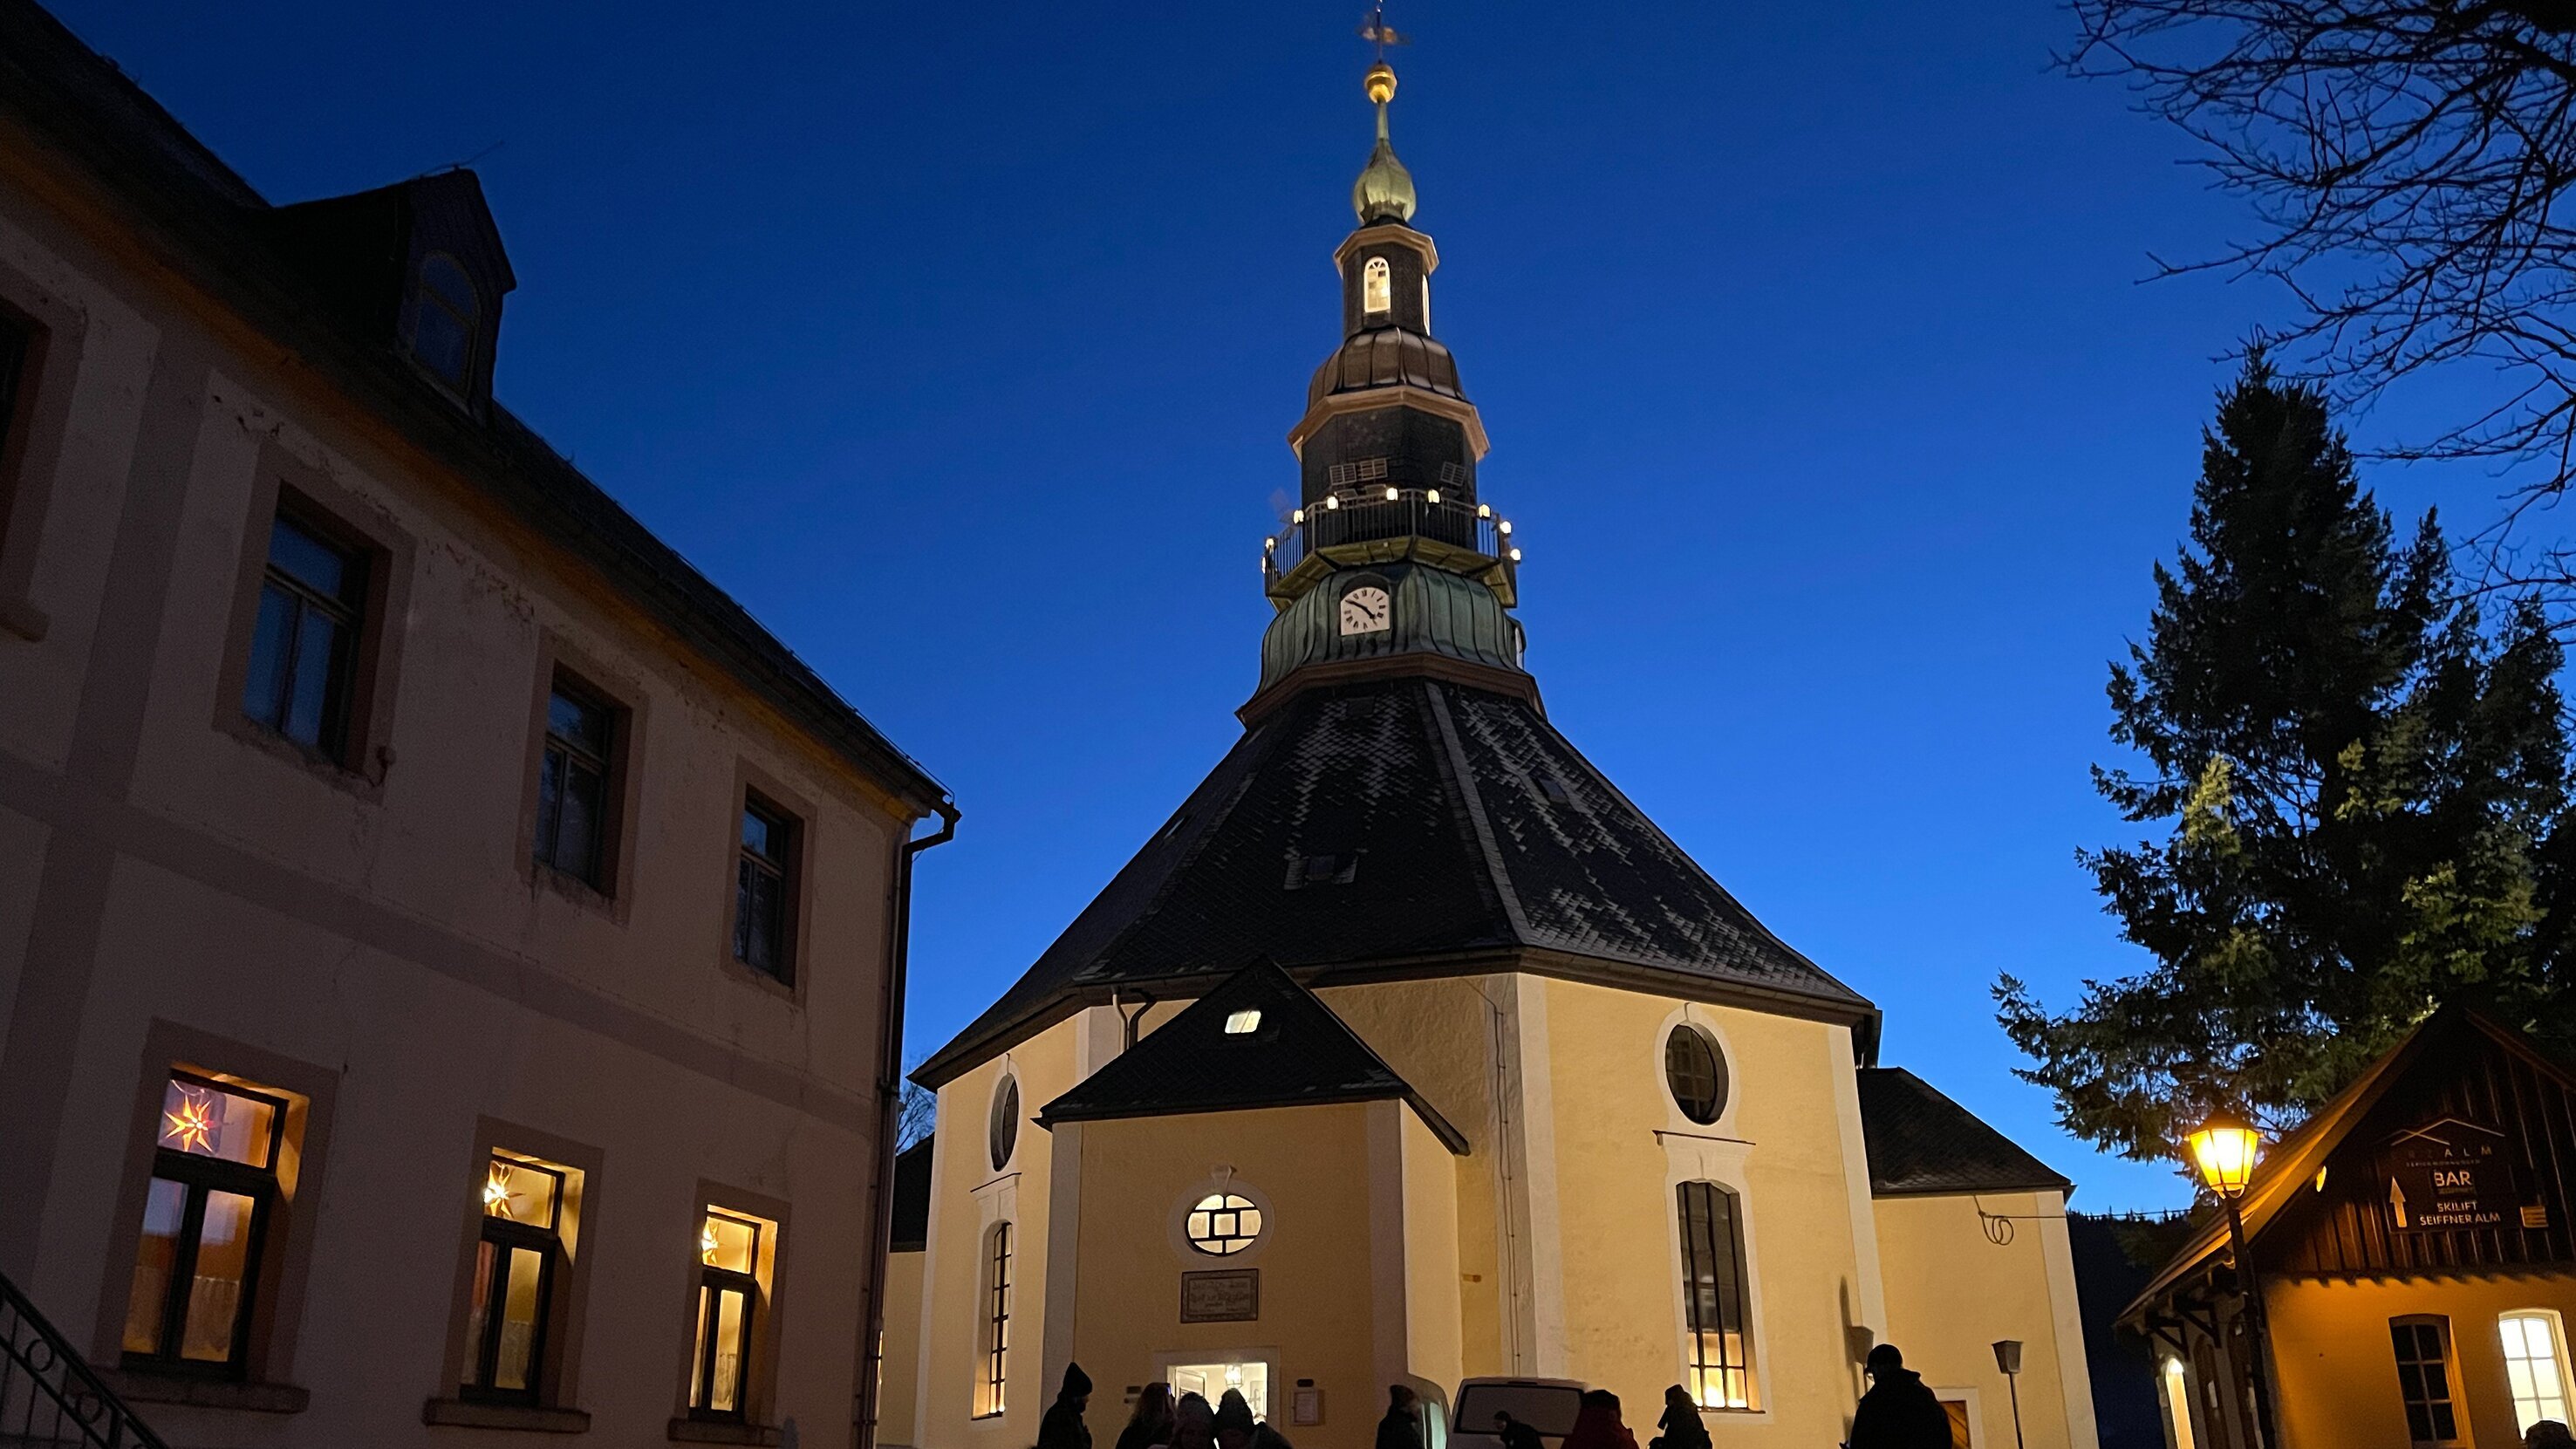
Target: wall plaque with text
2449,1174
1231,1296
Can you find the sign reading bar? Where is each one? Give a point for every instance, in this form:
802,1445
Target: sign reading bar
1232,1296
2447,1175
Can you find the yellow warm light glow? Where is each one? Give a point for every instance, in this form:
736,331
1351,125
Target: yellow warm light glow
1392,495
1297,517
707,1240
2224,1152
1432,497
496,1192
1243,1022
1484,510
193,1127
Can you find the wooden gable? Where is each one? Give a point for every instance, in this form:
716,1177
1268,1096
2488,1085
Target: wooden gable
2463,1164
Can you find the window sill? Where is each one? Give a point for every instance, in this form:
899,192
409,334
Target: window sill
462,1414
145,1387
717,1431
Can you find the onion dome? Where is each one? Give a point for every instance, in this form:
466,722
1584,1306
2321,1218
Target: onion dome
1384,191
1387,357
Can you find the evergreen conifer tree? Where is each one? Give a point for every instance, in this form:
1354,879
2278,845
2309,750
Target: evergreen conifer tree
2360,786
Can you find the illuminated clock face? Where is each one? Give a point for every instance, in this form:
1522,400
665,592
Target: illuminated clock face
1365,610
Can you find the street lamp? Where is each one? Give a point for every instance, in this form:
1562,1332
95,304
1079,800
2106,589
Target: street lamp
2008,1359
2224,1151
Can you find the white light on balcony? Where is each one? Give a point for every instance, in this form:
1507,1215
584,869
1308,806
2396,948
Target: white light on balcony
1268,544
1506,527
1432,497
1333,502
1391,495
1297,517
1516,555
1484,510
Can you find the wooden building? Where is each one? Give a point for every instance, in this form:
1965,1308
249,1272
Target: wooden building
2414,1254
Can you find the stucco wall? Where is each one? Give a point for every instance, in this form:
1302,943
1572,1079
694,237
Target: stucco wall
1311,1166
1951,1293
380,927
2337,1369
1779,1143
1434,1346
967,1196
898,1383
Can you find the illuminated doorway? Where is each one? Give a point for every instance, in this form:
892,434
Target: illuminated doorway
1246,1374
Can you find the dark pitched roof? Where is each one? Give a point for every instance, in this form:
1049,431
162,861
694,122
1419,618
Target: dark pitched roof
211,226
911,1225
1444,827
1297,1053
1923,1144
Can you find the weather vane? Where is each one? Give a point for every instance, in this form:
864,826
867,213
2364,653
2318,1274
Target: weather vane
1377,32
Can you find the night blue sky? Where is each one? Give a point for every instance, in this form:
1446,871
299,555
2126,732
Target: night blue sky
960,344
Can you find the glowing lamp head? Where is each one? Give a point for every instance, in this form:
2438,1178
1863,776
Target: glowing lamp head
1431,497
707,1241
2224,1150
1298,516
1332,502
1392,495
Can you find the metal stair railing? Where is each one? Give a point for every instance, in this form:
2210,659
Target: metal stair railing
48,1396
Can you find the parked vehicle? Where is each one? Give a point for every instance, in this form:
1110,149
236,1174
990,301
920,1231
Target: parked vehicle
1546,1405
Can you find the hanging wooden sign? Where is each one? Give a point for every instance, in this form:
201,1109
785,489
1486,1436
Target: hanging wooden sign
2449,1174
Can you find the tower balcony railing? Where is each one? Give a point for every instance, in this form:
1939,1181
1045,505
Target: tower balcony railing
1394,522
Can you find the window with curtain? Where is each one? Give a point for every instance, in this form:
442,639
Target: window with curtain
996,1330
516,1259
304,649
205,1221
574,782
1714,1296
2535,1366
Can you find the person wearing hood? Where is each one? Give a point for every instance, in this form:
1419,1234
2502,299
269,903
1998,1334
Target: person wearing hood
1898,1412
1236,1428
1062,1428
1597,1424
1402,1426
1193,1423
1514,1433
1680,1423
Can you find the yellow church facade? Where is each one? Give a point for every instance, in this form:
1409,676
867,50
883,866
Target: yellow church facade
1410,1051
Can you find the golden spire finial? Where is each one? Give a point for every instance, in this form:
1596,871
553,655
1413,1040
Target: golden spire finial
1384,191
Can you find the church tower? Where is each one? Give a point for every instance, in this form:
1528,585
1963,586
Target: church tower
1390,552
1409,1051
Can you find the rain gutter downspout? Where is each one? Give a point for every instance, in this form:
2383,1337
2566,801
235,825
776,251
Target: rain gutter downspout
863,1426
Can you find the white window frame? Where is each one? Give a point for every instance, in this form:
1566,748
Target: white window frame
2558,1352
1377,287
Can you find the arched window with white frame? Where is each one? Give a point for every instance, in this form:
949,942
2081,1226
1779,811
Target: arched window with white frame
1377,288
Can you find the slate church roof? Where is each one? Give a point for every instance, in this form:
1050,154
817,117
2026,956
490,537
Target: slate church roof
1923,1144
1407,825
1258,1039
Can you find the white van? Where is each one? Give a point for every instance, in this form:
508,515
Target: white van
1547,1405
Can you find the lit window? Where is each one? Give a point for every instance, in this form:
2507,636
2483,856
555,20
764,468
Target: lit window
573,785
1695,1073
1377,288
303,652
732,1256
2535,1367
1003,1136
443,319
1714,1296
1222,1224
1243,1023
197,1265
516,1259
2178,1404
994,1339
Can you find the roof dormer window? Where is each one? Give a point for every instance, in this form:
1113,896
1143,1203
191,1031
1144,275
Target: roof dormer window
445,314
1377,288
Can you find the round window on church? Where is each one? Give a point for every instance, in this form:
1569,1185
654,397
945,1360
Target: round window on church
1005,1134
1222,1223
1696,1073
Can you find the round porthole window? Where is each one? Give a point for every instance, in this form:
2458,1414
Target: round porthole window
1696,1074
1005,1134
1222,1224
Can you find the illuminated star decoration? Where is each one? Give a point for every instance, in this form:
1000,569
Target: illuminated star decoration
497,1194
707,1240
193,1127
